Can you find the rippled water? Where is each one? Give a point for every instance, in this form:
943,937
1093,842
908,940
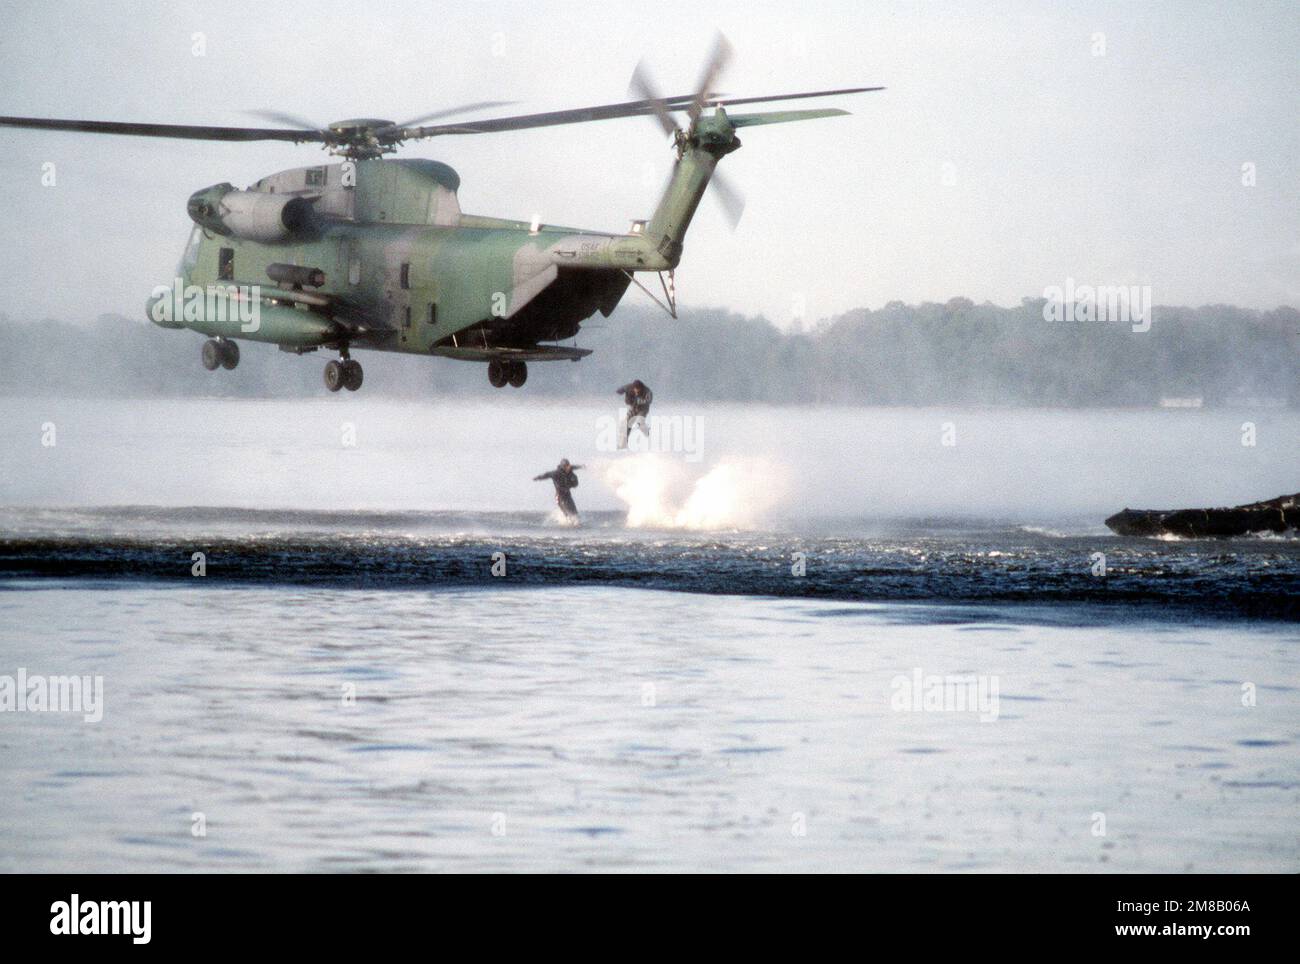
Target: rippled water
349,687
950,560
634,729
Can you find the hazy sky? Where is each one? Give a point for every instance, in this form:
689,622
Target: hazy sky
1009,153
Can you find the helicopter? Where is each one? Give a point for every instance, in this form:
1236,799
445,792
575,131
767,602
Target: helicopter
375,253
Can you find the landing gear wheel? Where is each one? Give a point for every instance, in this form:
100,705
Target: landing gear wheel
229,354
498,373
211,354
352,375
333,375
518,374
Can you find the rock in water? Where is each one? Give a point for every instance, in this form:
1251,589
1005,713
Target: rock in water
1275,515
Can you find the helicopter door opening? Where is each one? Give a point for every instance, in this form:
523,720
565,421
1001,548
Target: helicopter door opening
226,264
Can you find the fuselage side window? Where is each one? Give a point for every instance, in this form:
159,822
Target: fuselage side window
191,256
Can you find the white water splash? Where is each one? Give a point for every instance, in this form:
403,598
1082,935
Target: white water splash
558,518
662,492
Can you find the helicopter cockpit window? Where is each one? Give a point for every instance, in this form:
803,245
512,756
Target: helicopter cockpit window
226,264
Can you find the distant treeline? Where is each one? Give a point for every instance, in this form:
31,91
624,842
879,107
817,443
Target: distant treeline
954,353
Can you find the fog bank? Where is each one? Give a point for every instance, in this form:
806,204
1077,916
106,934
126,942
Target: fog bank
754,465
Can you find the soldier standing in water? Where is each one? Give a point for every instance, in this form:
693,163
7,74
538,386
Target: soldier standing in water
565,478
637,397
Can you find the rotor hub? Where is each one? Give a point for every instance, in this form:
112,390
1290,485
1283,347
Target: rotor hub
357,124
362,137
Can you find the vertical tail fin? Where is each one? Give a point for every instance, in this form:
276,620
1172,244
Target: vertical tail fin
699,150
698,154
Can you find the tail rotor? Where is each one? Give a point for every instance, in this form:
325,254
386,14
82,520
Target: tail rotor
643,87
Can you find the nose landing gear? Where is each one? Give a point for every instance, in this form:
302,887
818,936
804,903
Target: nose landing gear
501,373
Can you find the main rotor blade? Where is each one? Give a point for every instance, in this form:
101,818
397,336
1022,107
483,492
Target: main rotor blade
642,85
717,63
715,101
184,131
292,120
580,115
729,196
634,108
631,108
436,115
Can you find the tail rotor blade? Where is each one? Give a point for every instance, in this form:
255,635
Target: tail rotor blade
732,201
643,88
718,61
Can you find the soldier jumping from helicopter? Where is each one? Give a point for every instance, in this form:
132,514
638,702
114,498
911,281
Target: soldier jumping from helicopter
637,397
565,478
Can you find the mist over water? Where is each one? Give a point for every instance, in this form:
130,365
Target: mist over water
759,466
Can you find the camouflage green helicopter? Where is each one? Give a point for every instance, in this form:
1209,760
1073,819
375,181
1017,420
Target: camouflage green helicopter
375,253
